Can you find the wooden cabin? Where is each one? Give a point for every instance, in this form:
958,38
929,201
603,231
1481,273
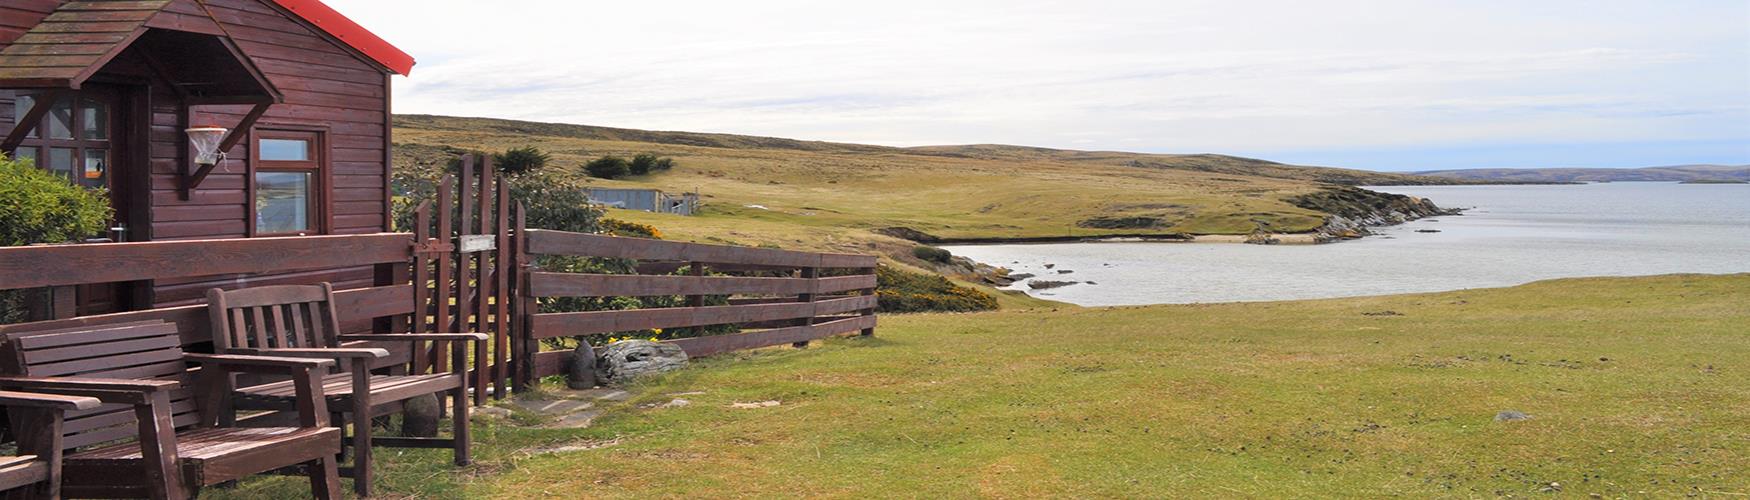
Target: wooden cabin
102,91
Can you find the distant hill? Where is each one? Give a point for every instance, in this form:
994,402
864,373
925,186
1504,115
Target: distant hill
820,195
1676,173
1212,163
1205,162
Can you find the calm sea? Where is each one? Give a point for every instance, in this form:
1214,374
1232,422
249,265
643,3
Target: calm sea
1511,235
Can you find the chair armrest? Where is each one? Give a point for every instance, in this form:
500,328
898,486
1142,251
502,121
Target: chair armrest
50,401
108,390
82,383
414,337
237,362
336,353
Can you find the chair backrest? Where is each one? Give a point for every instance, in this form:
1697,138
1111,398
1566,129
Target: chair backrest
267,317
145,350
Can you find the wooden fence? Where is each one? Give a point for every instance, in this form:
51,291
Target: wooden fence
798,296
468,267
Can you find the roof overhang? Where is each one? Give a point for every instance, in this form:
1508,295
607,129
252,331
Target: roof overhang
356,37
78,39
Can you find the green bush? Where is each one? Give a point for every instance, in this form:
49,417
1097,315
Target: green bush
899,291
643,164
608,167
37,206
932,254
554,201
40,207
664,164
521,160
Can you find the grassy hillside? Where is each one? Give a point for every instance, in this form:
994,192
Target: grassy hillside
1635,387
1680,173
959,192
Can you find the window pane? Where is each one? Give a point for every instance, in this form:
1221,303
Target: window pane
61,120
21,106
282,202
61,161
26,153
96,168
94,121
285,150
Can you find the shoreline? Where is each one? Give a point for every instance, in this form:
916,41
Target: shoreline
1281,239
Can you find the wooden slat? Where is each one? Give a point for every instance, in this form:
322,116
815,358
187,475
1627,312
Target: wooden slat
191,321
548,363
846,283
716,344
553,325
545,242
23,267
614,285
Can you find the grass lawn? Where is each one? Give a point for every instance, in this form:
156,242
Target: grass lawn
1638,387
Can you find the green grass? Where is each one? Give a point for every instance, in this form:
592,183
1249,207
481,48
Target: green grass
1637,387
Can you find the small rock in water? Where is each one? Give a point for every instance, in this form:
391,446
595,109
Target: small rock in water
1064,271
1049,266
1511,416
1046,285
1427,230
1090,282
1020,276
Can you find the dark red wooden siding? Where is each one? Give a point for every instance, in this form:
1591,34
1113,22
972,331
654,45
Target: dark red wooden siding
326,86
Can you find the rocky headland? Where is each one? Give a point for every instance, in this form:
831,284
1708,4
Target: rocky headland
1355,210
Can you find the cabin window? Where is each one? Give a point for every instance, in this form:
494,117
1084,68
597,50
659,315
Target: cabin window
73,138
288,182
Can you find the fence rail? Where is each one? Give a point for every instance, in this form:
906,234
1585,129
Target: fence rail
801,305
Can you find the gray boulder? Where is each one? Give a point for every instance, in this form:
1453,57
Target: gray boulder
624,361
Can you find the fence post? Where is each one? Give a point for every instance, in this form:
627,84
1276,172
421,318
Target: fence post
502,258
871,310
696,269
812,274
483,288
421,275
526,307
441,288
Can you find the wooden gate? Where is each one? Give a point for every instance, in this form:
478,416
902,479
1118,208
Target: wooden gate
462,271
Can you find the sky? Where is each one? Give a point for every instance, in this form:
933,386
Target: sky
1397,85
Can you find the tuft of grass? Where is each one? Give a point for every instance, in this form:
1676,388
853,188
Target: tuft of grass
1635,385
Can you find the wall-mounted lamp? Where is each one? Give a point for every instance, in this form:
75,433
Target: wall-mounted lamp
205,141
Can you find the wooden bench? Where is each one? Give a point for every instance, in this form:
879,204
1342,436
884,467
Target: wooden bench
299,321
159,433
36,471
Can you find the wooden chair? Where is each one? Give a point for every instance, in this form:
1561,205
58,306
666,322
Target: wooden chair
36,471
299,321
156,435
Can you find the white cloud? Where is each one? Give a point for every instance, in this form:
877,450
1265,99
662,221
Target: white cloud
1165,76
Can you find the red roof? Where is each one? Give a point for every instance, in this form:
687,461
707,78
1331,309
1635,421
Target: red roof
350,33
